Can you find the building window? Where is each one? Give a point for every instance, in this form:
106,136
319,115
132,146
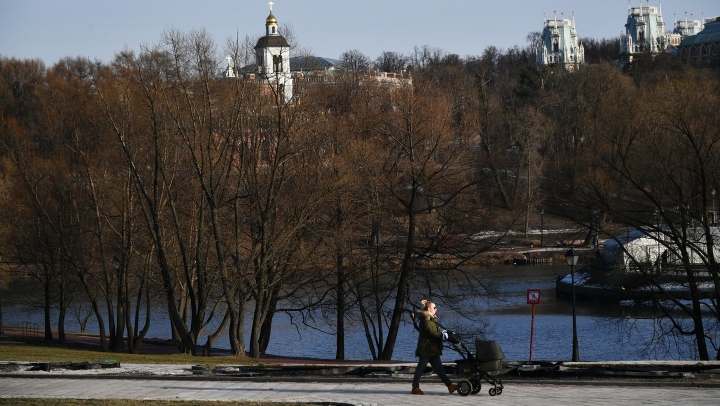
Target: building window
277,63
694,57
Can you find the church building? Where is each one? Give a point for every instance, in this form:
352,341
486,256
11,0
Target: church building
285,75
560,45
272,54
272,61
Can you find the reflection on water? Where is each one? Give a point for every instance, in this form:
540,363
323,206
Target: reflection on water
605,332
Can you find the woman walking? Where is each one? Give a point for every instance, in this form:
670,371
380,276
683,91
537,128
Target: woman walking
429,347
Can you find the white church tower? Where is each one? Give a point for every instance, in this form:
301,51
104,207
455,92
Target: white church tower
644,31
273,59
559,45
229,71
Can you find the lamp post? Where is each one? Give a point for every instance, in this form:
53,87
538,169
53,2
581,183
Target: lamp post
572,259
657,240
713,207
542,226
596,226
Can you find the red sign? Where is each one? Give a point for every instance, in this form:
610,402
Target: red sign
533,296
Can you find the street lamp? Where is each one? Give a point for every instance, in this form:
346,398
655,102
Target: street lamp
713,210
572,260
657,240
596,226
542,226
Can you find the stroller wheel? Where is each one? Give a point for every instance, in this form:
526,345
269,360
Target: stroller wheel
499,390
464,388
475,386
492,392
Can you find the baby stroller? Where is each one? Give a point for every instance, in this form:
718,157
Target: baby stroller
475,368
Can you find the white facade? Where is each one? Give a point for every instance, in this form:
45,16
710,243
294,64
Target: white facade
641,247
632,248
272,54
685,28
559,45
644,31
229,71
688,27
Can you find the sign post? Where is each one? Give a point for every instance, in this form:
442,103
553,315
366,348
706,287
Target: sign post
533,298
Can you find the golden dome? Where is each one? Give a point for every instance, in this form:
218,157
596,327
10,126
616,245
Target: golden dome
271,19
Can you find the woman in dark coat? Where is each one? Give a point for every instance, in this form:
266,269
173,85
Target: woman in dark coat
429,347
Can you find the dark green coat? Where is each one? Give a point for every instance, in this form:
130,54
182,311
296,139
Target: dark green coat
430,340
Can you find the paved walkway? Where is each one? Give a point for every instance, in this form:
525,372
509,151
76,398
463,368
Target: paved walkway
365,393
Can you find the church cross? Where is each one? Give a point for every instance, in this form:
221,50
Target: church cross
271,4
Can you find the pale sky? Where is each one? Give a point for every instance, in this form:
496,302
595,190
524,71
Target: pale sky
98,29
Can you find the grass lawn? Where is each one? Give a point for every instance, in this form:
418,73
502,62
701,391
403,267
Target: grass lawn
41,352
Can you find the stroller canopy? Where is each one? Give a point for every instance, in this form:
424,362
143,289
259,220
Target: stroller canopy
486,350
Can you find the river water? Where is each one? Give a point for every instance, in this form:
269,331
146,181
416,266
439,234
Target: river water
605,332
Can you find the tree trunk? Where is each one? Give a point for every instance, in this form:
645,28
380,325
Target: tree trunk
340,339
140,335
2,329
405,271
96,310
256,325
61,314
237,330
266,329
214,336
110,314
699,329
118,340
48,327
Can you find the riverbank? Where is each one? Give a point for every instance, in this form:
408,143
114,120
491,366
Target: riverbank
91,342
270,367
598,285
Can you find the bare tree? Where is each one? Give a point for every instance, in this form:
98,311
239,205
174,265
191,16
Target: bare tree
667,192
355,60
391,62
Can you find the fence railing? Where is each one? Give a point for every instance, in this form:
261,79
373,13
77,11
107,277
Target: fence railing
30,331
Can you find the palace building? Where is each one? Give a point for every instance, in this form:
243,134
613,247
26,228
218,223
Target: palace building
703,48
560,45
644,31
685,28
